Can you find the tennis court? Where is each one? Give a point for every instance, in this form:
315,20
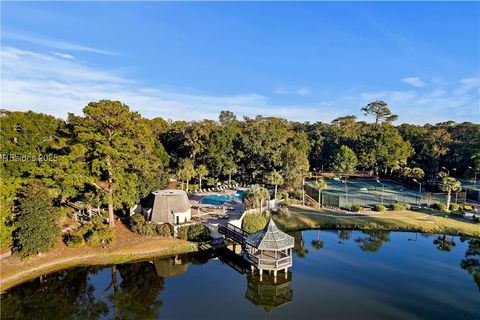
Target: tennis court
368,192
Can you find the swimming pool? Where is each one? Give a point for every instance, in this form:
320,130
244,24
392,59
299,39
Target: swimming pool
219,199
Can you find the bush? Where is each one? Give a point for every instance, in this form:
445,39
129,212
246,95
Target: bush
253,222
379,207
397,207
100,237
356,207
454,207
194,232
183,232
74,240
407,206
439,206
140,226
163,230
198,232
467,207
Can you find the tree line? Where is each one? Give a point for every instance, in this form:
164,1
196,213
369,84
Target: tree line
111,156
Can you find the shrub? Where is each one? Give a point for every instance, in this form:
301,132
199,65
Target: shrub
439,206
397,207
100,237
467,207
253,222
194,232
140,226
163,230
356,207
407,206
74,240
183,232
454,207
379,207
198,232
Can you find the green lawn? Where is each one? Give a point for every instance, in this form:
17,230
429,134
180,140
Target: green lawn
302,218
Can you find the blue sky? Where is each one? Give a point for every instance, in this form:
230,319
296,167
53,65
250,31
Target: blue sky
303,61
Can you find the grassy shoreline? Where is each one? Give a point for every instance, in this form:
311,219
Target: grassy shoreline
305,218
15,271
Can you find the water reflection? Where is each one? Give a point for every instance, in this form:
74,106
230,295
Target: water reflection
138,295
372,240
299,248
443,243
344,235
317,243
153,289
61,295
471,262
270,292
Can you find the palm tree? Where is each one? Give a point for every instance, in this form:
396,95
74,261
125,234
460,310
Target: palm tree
186,171
450,185
417,173
277,180
202,172
230,168
321,185
260,194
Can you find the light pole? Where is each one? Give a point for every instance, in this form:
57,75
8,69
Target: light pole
419,190
448,171
383,189
303,190
474,177
346,189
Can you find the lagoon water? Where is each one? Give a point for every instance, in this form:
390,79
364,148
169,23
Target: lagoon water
335,275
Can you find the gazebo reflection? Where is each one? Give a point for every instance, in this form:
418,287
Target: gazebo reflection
269,292
171,266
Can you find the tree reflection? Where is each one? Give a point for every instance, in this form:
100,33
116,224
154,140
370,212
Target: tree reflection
138,297
373,240
344,235
62,295
299,247
443,243
317,243
471,261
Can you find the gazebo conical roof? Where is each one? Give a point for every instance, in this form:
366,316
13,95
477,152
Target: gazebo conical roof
270,238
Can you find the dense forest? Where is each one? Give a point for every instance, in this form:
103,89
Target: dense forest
112,156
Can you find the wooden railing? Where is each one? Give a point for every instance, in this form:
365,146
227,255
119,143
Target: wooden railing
269,263
234,233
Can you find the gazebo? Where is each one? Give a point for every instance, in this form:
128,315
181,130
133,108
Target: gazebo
270,249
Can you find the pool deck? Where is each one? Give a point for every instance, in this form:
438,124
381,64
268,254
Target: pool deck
214,213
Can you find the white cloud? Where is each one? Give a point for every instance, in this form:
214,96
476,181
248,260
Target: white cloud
63,55
298,92
414,81
467,84
52,84
428,106
56,44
